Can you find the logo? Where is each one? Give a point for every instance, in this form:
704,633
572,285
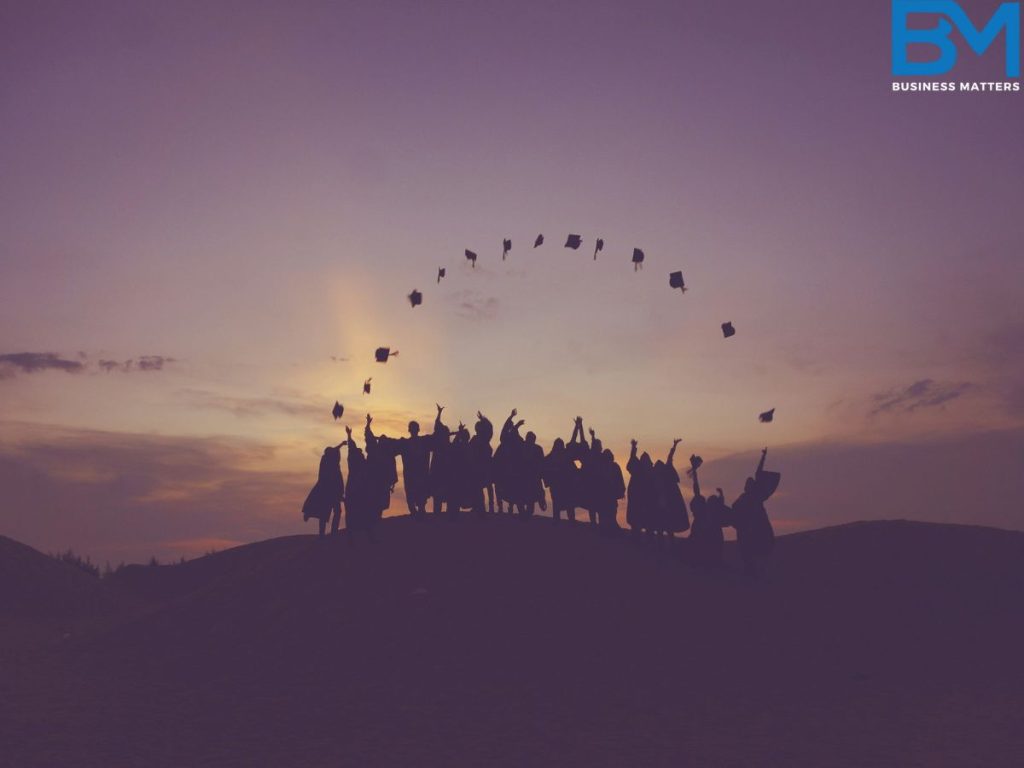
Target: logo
1006,19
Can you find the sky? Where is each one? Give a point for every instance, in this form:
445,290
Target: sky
211,215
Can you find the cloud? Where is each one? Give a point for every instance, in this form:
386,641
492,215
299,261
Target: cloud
924,393
143,363
126,496
34,362
153,362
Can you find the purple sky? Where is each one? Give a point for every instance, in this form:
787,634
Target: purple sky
229,194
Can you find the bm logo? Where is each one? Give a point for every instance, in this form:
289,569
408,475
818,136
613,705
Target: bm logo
950,14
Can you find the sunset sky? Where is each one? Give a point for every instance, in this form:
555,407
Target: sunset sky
211,214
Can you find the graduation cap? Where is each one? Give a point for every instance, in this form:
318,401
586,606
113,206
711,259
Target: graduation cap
538,241
598,246
383,353
366,386
338,411
441,272
728,330
415,298
573,241
638,259
506,246
767,416
471,256
675,279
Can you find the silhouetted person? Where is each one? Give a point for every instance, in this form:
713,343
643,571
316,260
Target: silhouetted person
415,453
462,483
560,478
705,542
640,492
609,488
359,502
440,476
507,460
669,506
325,499
530,476
590,476
754,533
381,467
481,465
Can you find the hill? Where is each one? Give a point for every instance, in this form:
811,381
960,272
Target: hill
504,642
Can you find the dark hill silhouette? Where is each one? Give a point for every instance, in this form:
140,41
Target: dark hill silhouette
510,642
45,600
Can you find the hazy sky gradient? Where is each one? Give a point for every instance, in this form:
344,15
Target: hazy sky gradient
253,188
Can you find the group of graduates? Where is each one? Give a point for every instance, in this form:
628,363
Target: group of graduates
455,471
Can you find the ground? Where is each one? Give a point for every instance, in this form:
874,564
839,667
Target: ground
523,643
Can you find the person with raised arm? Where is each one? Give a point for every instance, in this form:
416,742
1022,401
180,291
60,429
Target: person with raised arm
359,502
591,472
754,533
705,542
440,474
382,471
669,505
507,463
640,491
461,488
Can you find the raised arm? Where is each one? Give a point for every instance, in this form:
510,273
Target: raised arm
351,441
760,465
371,439
672,452
509,427
696,482
437,419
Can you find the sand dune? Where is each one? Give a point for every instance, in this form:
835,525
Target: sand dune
502,642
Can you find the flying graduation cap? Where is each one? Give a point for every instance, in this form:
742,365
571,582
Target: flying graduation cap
538,241
598,246
471,256
415,298
338,411
728,330
767,416
638,259
383,353
675,279
366,386
573,241
506,246
441,272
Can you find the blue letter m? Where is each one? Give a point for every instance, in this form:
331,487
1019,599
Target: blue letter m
1007,17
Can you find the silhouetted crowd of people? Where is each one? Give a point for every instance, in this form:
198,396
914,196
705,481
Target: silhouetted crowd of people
452,472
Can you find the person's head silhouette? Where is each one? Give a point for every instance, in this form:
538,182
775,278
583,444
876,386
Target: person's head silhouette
414,428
